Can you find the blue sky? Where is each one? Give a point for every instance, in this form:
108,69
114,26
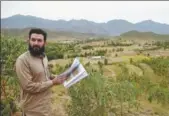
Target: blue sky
97,11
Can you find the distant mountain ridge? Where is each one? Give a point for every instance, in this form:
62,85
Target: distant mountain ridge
112,27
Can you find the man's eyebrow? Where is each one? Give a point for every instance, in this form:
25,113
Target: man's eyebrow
36,38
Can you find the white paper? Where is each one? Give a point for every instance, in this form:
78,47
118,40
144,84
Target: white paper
77,73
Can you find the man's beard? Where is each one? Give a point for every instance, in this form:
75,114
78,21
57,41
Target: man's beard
36,50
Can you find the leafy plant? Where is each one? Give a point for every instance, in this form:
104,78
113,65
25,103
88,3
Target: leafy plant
11,48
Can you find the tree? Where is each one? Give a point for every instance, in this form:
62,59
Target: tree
11,48
88,97
131,60
105,61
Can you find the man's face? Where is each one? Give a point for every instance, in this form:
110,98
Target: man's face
36,44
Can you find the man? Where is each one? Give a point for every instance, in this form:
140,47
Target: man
34,77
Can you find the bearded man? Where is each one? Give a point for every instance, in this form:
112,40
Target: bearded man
34,77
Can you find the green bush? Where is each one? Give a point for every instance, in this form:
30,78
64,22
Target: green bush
11,48
88,97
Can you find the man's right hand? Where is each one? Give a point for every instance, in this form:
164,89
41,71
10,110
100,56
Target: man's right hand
59,80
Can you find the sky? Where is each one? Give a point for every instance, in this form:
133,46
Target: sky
97,11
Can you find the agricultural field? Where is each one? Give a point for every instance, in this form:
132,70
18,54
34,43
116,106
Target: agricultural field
127,77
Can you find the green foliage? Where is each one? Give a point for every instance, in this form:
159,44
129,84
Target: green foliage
58,50
96,95
100,67
131,60
87,64
162,44
160,94
87,47
125,92
88,97
160,65
119,43
105,61
11,48
100,52
127,89
119,49
153,91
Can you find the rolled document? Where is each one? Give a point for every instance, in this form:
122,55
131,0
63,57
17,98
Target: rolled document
75,73
77,77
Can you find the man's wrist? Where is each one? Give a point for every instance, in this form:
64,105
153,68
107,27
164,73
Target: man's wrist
53,82
52,77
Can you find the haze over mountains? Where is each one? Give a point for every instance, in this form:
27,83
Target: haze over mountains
112,27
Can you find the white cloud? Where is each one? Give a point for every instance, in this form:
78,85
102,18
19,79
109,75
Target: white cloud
98,11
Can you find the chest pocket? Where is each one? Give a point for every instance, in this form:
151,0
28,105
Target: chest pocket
45,64
38,69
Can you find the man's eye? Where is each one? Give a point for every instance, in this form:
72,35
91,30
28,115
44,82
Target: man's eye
39,40
33,40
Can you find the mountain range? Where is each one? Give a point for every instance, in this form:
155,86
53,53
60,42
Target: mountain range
111,28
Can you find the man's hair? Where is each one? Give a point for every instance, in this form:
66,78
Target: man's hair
38,31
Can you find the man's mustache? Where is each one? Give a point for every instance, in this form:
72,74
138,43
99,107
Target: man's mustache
35,46
36,49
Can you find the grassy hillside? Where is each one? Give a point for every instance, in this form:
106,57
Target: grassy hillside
135,35
52,34
141,77
62,35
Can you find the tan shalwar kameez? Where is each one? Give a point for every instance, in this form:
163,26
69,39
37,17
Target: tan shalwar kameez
33,76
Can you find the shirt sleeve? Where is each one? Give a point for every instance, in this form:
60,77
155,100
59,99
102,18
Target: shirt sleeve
50,75
25,79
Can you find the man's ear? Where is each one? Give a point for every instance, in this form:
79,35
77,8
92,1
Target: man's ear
27,40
